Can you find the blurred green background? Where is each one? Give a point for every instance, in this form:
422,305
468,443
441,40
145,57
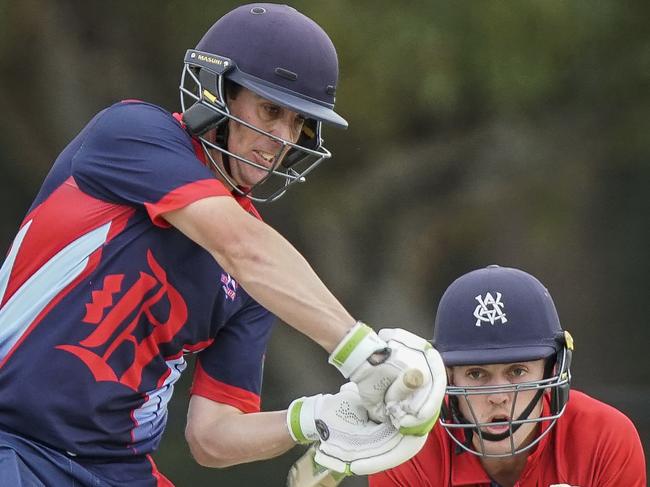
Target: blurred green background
485,132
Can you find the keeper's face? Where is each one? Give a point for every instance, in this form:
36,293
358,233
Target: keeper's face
254,146
498,406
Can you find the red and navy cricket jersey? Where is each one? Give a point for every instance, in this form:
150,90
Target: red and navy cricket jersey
592,444
100,298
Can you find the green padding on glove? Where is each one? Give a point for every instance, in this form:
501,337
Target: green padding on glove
349,344
354,349
421,429
294,422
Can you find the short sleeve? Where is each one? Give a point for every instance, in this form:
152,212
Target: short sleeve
230,369
137,154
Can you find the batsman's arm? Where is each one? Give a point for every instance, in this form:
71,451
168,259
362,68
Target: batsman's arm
220,435
274,273
266,265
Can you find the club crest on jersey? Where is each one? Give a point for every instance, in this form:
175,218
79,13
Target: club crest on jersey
489,310
229,286
114,315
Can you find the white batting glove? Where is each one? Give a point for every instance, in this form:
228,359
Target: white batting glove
350,443
353,356
414,410
375,361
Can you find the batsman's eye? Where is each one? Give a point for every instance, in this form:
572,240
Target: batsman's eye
271,110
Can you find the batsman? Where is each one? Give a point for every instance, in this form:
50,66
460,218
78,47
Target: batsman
144,245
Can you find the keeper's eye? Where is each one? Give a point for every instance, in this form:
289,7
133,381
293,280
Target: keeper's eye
518,372
475,374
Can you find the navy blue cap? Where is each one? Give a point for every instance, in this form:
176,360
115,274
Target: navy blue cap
496,315
281,55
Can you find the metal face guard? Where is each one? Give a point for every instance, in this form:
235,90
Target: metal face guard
205,110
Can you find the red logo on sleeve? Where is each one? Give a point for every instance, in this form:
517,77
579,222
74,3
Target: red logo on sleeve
229,286
134,305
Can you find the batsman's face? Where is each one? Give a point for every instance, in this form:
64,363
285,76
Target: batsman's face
498,406
258,148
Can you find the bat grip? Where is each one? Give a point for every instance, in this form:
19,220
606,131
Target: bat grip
410,380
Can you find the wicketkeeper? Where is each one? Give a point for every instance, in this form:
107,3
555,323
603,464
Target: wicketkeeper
510,416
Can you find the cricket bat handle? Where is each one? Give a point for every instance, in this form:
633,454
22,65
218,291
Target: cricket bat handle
412,379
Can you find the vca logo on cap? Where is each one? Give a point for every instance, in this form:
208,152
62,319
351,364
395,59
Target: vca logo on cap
489,309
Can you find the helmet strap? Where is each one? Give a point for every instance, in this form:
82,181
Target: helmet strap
221,139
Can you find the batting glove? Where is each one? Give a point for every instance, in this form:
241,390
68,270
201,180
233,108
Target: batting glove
414,410
350,442
375,362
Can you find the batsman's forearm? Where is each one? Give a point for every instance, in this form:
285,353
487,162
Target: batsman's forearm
265,264
282,281
240,438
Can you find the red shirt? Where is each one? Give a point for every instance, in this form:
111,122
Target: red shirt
591,445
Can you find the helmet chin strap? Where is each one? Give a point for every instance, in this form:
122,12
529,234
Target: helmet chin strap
221,139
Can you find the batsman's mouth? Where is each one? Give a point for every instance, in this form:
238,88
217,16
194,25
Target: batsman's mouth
264,157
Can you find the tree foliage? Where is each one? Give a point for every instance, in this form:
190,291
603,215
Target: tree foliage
480,132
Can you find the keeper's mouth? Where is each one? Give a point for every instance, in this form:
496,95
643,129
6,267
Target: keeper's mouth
499,424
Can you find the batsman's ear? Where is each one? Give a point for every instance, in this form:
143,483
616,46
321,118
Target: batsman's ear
199,119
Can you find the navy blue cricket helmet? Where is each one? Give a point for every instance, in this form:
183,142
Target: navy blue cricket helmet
501,315
279,54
